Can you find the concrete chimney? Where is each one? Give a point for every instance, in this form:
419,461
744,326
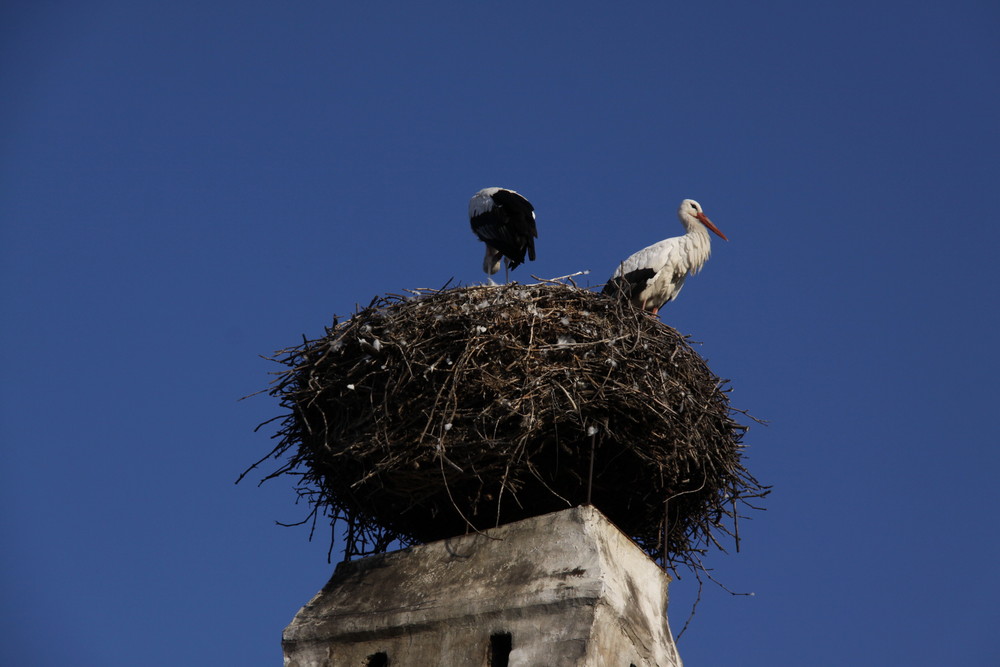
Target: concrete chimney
561,589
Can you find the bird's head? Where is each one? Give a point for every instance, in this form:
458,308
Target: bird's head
690,210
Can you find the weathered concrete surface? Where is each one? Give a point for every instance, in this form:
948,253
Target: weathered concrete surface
568,587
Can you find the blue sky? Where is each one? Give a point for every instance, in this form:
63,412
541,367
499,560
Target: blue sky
185,186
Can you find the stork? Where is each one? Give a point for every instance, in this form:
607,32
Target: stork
505,222
654,275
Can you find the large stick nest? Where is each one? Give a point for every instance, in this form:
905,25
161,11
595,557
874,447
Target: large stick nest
427,416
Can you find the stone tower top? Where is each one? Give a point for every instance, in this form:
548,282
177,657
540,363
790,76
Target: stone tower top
561,589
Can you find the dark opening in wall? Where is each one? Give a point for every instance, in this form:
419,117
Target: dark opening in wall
500,646
380,659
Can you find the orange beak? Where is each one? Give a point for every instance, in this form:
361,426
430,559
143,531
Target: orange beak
708,223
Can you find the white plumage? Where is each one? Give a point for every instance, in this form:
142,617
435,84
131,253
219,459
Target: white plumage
505,221
654,275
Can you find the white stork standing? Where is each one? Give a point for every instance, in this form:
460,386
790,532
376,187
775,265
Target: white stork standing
505,222
654,275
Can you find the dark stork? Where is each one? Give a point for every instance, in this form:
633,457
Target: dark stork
654,275
505,222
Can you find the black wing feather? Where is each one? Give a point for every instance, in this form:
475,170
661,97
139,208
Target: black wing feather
630,285
509,227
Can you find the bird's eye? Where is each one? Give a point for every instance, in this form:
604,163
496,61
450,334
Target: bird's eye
694,206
